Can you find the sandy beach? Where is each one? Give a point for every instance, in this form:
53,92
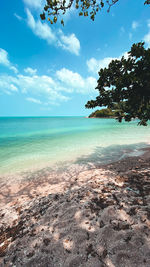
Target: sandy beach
78,216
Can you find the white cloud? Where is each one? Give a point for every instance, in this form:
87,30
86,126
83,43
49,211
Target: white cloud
95,65
8,84
59,39
33,100
18,17
14,69
33,3
70,78
135,25
37,86
70,43
4,57
147,39
39,6
75,81
13,88
44,89
5,61
51,90
125,55
40,29
30,71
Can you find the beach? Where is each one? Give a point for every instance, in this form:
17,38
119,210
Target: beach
78,216
75,133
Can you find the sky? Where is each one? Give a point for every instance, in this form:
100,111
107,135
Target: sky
51,70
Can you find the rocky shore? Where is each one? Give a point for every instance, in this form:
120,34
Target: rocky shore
79,217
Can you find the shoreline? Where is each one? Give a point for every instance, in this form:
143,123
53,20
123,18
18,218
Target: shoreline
85,217
85,158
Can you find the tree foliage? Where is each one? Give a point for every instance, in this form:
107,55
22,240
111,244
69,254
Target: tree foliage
103,113
87,8
125,86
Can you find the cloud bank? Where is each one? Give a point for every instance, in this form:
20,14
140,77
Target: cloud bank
57,38
5,61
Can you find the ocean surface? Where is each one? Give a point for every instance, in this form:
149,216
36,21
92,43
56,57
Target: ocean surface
37,142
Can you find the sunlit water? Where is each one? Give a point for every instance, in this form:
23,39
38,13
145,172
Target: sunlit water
27,143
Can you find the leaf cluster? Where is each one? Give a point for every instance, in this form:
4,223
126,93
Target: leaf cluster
87,8
125,86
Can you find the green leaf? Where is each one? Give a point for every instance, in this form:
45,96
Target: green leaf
86,13
92,17
42,16
62,22
55,19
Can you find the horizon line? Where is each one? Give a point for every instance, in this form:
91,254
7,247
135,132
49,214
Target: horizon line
42,116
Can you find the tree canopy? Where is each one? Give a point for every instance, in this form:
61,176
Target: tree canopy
125,86
103,113
87,8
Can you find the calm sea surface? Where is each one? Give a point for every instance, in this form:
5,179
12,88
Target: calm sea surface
45,141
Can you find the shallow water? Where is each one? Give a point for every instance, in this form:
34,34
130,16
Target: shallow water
33,143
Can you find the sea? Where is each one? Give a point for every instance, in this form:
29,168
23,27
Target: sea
28,143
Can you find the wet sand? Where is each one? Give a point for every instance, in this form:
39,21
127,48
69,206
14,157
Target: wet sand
77,216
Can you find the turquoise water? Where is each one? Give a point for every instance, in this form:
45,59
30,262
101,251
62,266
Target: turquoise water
39,142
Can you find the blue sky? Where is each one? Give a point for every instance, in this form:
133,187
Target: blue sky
52,70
